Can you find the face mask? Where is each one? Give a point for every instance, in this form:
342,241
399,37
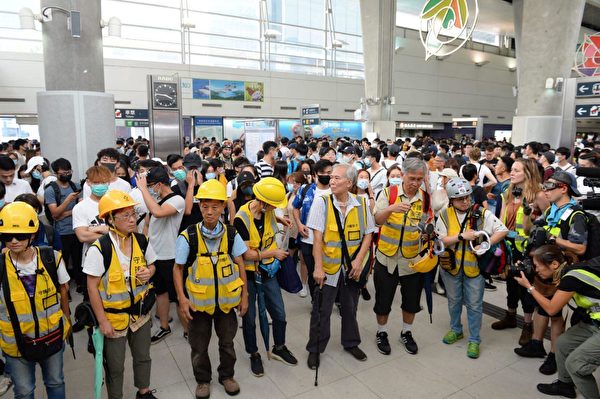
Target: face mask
290,187
2,203
179,175
346,159
363,184
211,175
64,178
324,180
15,161
338,156
395,181
36,175
99,189
247,190
367,162
153,192
109,166
300,158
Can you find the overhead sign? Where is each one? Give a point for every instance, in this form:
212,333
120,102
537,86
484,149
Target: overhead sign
132,123
207,121
311,121
588,89
587,111
310,115
122,113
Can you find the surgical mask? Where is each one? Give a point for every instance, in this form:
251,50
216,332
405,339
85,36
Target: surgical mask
109,165
153,192
179,175
15,161
65,178
363,184
2,203
36,175
324,180
367,162
99,189
247,190
395,181
300,158
211,175
290,187
346,159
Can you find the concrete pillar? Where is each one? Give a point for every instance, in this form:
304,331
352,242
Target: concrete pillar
378,19
76,118
546,37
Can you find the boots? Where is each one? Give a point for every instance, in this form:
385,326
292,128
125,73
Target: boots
509,321
534,348
526,334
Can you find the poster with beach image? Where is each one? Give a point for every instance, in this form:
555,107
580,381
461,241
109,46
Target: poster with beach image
201,89
254,91
230,90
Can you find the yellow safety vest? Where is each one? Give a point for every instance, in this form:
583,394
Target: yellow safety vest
400,230
38,316
354,231
591,305
210,283
521,237
465,257
113,287
565,218
264,243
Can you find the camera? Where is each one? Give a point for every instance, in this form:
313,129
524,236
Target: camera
591,182
525,266
538,236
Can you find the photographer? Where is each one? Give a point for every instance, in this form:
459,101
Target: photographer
577,349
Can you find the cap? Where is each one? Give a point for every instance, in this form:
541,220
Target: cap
157,175
549,156
33,162
293,146
157,159
349,150
245,177
192,160
568,179
448,172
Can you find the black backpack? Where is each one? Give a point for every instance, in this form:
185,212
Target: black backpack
593,229
193,243
56,190
106,247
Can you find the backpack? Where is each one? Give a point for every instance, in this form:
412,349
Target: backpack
56,190
106,248
593,229
193,244
48,260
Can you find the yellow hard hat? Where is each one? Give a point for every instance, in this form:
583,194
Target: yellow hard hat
212,190
18,217
114,200
425,264
271,191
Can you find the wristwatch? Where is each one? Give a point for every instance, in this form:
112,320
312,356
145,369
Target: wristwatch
530,289
460,237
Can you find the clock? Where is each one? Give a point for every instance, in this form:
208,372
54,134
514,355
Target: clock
165,95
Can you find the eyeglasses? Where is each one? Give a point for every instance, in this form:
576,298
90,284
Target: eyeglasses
8,237
463,199
126,216
550,185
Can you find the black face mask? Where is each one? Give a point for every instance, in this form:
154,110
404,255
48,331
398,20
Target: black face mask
324,180
65,178
109,166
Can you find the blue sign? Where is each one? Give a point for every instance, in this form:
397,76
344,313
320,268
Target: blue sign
333,129
207,121
122,113
588,89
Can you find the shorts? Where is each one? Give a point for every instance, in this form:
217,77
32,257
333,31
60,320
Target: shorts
163,278
542,312
385,288
292,244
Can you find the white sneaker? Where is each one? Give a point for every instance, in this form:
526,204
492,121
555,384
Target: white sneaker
303,292
5,384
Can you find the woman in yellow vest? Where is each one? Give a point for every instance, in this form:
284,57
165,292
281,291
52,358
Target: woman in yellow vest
34,291
214,285
458,226
578,348
120,293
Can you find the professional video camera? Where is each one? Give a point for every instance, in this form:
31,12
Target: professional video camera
591,202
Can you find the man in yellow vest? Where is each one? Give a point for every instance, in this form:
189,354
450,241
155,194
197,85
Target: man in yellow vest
34,304
119,266
209,279
358,226
399,210
459,226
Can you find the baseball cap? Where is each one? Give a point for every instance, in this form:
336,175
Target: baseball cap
568,179
448,172
245,177
349,150
549,156
33,162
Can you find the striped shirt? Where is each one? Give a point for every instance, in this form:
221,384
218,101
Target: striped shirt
264,169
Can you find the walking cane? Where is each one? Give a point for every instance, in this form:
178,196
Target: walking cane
319,294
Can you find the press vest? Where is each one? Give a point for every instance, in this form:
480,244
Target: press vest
264,243
210,283
113,287
38,316
521,237
591,305
400,230
465,257
566,217
354,231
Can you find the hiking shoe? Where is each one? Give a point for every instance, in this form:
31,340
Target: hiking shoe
256,366
549,365
526,334
509,321
490,287
364,292
357,353
409,343
383,344
147,395
451,337
313,360
534,348
283,354
203,391
5,384
473,350
231,386
160,335
558,388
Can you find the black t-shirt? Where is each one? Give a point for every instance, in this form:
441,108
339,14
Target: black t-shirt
195,216
243,231
573,284
479,196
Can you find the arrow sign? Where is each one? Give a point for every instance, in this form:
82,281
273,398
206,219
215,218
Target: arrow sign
588,89
581,111
587,111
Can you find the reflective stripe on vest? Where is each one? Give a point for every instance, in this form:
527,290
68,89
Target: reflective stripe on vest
354,232
205,288
465,258
113,288
591,305
46,302
266,242
521,237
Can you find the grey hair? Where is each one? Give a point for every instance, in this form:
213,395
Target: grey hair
413,164
351,172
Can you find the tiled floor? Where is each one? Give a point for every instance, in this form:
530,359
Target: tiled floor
438,371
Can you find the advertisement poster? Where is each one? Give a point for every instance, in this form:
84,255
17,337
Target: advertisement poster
291,128
201,89
254,91
232,90
256,132
233,129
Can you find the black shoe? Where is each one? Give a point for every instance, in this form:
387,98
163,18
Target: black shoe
283,354
357,353
365,294
534,348
147,395
313,360
549,365
256,365
383,345
409,343
509,321
490,287
160,335
558,388
79,289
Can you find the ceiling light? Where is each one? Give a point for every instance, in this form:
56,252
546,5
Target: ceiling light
271,34
512,68
549,83
114,26
27,18
188,23
481,63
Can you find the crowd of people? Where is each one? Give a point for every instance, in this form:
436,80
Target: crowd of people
221,237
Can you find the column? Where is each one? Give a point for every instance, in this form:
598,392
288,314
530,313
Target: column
546,37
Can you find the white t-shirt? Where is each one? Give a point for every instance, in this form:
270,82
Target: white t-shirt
141,208
318,193
118,184
43,184
378,180
483,170
28,269
17,187
162,232
388,163
94,263
85,214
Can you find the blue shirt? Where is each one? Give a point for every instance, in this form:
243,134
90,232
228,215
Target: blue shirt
304,202
63,226
182,248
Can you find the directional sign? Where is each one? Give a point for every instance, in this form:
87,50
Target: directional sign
588,89
310,110
121,113
587,111
310,115
311,121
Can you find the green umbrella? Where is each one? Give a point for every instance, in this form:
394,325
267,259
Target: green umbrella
98,340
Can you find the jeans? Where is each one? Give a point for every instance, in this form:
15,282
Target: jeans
274,305
460,290
23,376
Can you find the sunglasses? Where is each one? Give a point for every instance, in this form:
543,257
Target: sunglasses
550,185
8,237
